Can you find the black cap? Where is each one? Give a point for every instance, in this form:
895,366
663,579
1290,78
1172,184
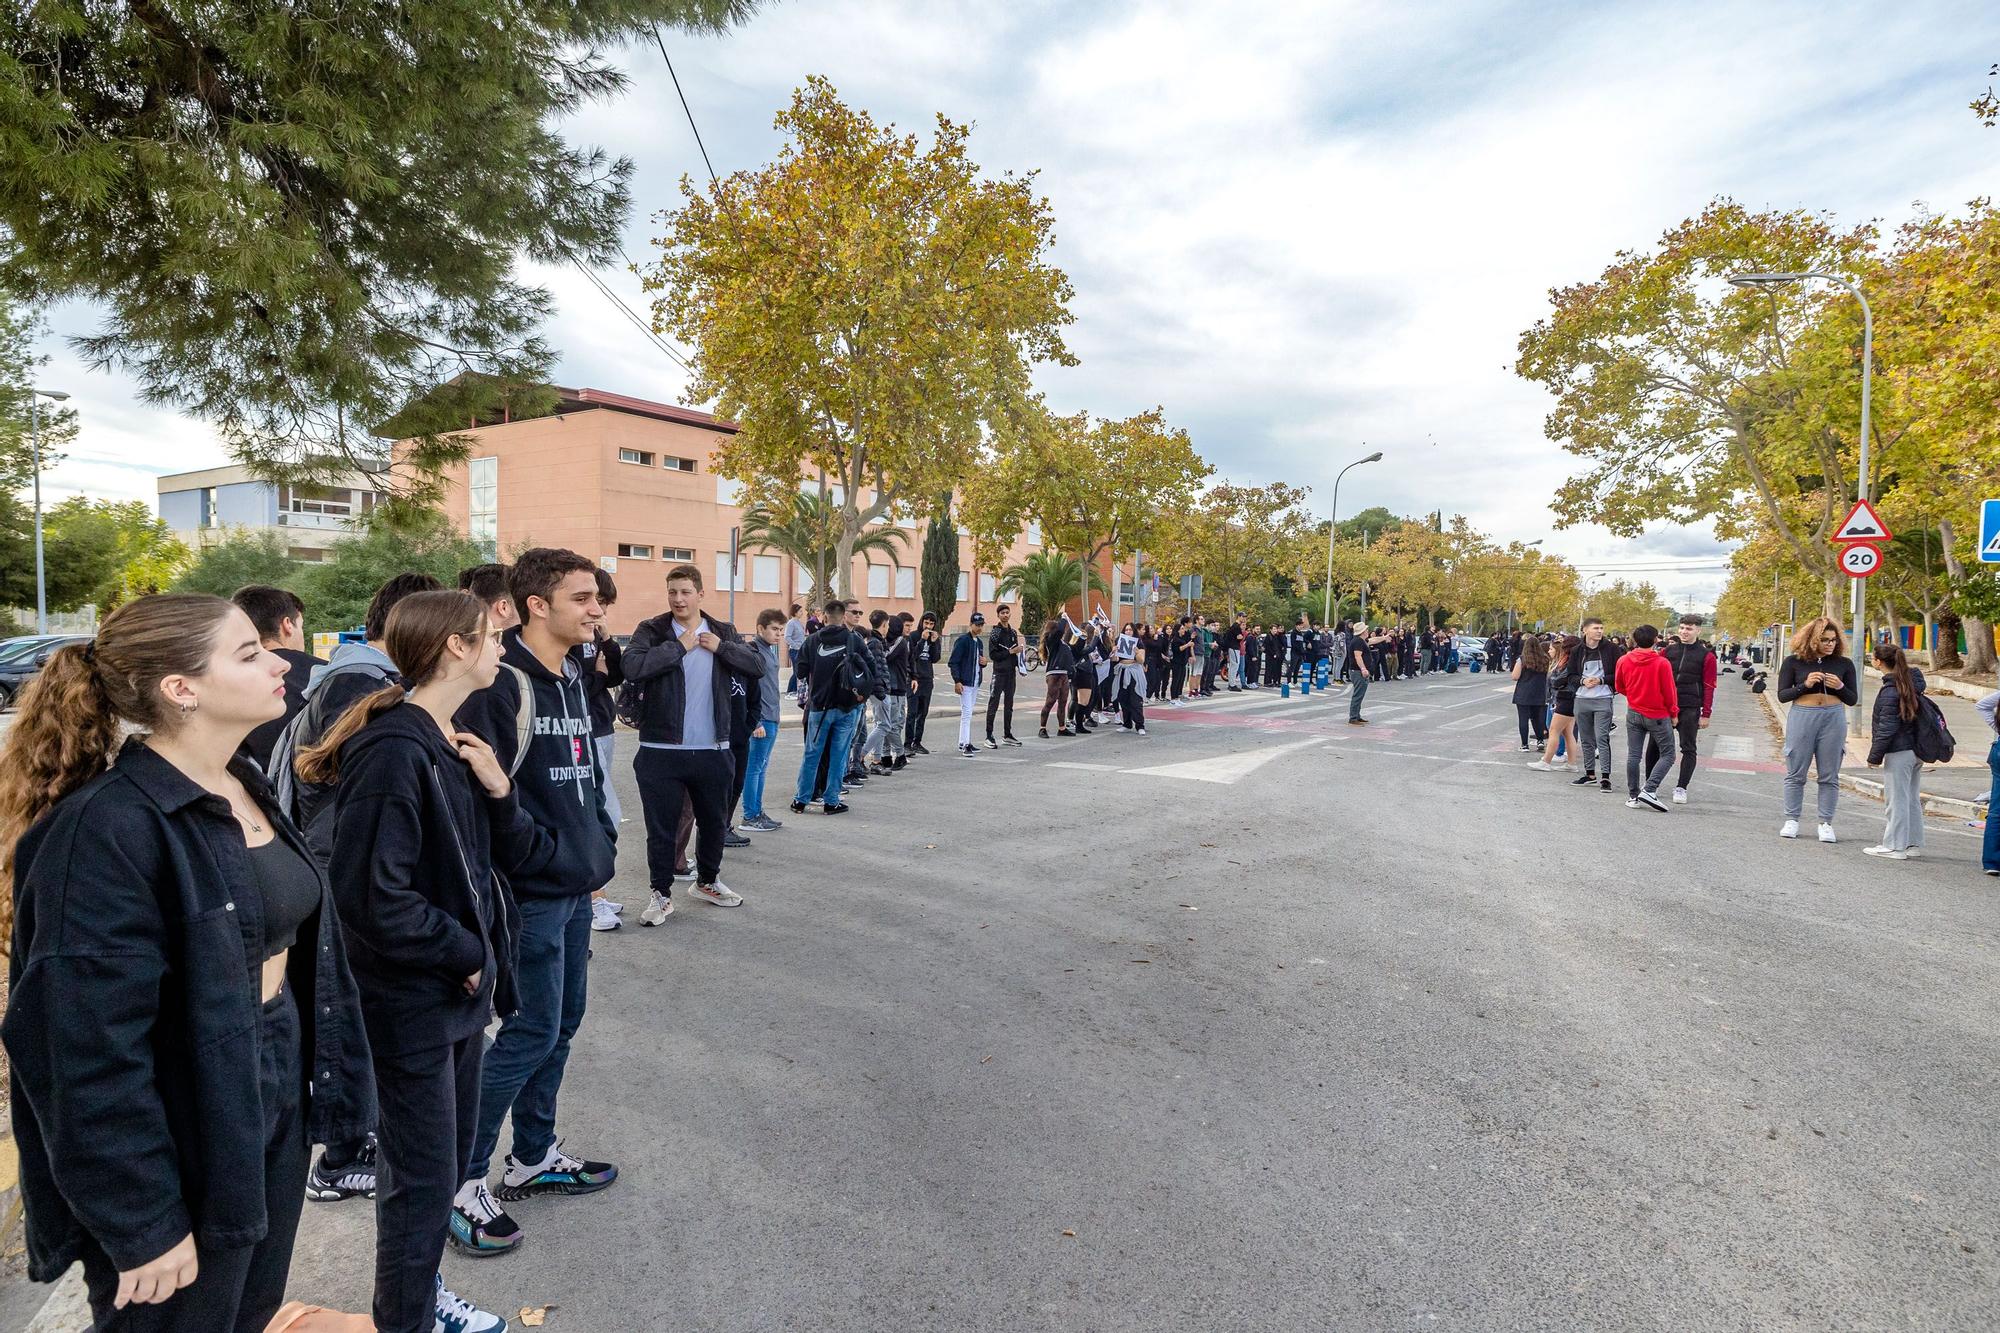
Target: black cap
979,617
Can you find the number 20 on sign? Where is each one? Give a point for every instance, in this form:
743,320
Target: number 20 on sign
1860,560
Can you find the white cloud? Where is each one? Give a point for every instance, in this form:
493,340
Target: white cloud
1322,225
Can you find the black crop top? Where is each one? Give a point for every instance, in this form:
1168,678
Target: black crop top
291,893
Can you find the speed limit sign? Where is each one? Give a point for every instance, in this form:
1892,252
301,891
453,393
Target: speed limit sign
1859,560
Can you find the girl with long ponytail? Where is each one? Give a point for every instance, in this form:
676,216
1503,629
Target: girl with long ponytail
423,815
178,975
1893,747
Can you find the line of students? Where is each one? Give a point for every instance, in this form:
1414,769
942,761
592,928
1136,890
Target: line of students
195,946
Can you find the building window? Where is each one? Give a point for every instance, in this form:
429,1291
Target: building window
672,464
631,551
1033,533
682,554
482,512
208,507
803,577
723,581
906,581
962,583
639,456
765,571
986,582
878,580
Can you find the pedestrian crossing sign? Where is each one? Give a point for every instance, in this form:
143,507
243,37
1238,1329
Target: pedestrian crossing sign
1989,532
1862,524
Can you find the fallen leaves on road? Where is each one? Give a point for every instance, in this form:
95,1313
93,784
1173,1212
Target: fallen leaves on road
1070,1234
1138,960
534,1316
1189,907
987,1061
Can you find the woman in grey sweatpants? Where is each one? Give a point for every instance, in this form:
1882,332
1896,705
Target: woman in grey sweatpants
1893,745
1817,680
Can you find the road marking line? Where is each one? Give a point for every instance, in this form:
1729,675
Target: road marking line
1224,768
1088,768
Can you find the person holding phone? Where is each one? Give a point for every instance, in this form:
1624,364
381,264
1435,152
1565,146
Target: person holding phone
1817,679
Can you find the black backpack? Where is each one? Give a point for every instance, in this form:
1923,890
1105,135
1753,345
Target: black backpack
1935,744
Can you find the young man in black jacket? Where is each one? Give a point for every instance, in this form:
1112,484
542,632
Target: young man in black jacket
1003,654
926,651
836,685
683,663
559,786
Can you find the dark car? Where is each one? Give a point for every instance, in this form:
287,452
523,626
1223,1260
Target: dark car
16,667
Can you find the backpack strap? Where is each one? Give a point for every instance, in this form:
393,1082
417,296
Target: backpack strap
524,717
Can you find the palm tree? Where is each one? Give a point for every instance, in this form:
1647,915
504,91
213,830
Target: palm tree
807,529
1045,581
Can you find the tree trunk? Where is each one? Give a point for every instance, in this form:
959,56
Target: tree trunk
843,557
1944,646
1835,595
1978,634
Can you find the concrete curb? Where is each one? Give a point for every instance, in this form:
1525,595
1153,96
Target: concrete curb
1950,807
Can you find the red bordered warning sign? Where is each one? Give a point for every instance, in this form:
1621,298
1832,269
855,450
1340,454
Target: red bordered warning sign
1859,559
1862,524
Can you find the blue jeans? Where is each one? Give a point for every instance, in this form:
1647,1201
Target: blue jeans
753,771
1989,858
829,729
524,1069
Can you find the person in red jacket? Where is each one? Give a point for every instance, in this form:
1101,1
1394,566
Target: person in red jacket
1651,705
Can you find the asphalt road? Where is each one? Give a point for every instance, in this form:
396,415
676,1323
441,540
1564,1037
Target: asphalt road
1262,1022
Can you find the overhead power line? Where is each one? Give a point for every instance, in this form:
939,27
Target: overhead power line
685,108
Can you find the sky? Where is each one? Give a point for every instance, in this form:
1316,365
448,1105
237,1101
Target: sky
1308,234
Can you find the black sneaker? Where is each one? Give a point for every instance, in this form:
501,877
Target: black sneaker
480,1227
902,761
1043,732
917,747
731,838
354,1180
1009,740
561,1174
1584,781
992,744
798,807
835,809
968,750
1605,785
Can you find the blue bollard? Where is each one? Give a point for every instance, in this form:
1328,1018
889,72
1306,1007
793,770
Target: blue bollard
1306,683
1284,689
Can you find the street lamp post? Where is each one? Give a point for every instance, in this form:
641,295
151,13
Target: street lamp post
1333,527
1858,588
35,397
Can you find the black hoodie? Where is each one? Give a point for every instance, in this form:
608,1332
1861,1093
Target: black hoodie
557,782
416,842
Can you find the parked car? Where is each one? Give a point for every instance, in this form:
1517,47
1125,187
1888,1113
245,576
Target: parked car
1469,647
15,670
23,644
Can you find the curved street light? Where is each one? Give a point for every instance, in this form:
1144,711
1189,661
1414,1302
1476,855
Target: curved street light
35,397
1333,528
1857,591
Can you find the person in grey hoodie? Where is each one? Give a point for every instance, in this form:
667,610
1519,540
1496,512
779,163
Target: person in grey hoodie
771,626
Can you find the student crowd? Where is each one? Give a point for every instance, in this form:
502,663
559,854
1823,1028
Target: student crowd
285,909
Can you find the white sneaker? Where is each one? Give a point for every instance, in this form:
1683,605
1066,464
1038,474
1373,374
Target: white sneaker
1912,853
617,909
1886,853
455,1315
656,911
1543,766
1790,829
602,916
1826,833
718,893
1680,796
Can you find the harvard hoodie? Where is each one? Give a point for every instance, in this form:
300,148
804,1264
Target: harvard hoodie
557,782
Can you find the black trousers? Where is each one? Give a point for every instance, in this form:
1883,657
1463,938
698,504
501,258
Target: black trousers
1132,706
429,1115
1179,681
1533,717
739,768
1002,688
1687,726
667,780
921,688
236,1290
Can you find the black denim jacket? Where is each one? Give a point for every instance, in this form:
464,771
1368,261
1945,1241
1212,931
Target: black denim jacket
134,1019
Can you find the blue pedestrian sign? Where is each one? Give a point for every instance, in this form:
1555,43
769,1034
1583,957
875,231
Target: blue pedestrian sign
1989,532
